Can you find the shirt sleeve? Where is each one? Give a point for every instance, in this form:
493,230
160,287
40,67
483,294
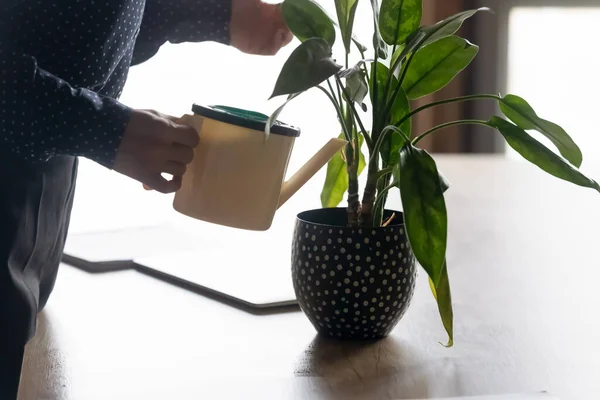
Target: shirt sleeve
178,21
42,116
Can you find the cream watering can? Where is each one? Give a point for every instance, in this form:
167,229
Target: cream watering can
237,176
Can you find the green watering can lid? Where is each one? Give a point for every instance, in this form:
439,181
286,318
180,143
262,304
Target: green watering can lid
244,118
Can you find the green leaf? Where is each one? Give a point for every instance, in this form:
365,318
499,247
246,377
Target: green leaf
399,51
306,20
361,157
391,147
432,33
424,209
273,118
362,48
357,88
336,180
436,65
524,116
308,65
378,43
444,183
356,83
378,78
448,26
347,73
396,175
346,10
413,42
538,154
399,109
401,106
443,297
355,39
398,19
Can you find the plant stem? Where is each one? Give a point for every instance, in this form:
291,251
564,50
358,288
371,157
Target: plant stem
449,124
355,113
337,101
383,134
390,104
339,98
366,214
364,68
353,199
382,195
368,211
339,113
375,98
380,205
447,101
351,158
384,172
362,53
405,70
395,64
391,72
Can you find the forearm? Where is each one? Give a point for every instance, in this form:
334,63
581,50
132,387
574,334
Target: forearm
41,115
178,21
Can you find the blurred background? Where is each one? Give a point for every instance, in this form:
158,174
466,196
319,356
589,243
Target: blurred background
543,50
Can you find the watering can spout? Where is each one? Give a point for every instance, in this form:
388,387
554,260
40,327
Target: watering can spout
309,169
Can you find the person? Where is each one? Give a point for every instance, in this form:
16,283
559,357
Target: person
63,65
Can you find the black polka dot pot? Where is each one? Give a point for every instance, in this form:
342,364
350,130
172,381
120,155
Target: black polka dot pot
352,283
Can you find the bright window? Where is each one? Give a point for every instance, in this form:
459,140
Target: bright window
553,62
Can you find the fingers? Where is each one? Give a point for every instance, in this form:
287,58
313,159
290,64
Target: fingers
281,39
184,135
180,154
177,156
162,185
174,168
282,36
154,145
158,182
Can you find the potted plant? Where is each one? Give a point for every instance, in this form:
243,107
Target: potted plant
354,267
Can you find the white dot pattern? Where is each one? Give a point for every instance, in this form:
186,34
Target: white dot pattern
64,63
376,288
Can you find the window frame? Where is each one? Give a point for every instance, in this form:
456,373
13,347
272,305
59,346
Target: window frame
490,68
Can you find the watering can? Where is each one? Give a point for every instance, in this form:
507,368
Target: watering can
237,176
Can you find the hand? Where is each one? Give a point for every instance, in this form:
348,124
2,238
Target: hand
258,28
154,144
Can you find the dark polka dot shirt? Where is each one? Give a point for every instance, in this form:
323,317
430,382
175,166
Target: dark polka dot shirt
63,64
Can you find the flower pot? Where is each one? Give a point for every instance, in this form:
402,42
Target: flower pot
352,283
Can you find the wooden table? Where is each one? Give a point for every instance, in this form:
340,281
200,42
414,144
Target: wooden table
524,268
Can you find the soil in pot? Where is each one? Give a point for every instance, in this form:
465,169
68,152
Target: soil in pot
352,283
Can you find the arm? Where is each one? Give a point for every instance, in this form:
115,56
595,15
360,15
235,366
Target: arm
41,115
178,21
